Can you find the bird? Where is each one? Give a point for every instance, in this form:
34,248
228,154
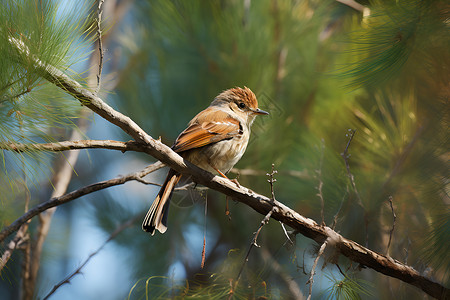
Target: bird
214,140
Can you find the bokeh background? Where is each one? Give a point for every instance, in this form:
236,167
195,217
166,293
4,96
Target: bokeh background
327,71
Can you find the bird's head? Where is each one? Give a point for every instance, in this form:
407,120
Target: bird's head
242,101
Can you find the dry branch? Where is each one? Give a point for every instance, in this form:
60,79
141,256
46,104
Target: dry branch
260,203
289,281
313,269
75,145
345,155
112,236
394,217
20,238
56,201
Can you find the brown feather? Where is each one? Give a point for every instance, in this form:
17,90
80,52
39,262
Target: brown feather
211,126
214,140
156,218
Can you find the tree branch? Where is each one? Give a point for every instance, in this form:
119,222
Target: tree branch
19,239
75,145
355,5
252,172
313,269
100,45
55,201
345,155
320,187
260,203
112,236
252,244
289,281
394,217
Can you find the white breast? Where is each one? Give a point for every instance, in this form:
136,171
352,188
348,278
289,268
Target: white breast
222,155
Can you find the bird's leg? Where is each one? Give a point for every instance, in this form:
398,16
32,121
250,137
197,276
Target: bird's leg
225,176
227,211
221,174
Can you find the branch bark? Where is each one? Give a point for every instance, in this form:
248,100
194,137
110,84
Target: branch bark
56,201
313,269
20,238
76,145
260,203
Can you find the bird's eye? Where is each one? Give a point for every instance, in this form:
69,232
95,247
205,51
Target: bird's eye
241,105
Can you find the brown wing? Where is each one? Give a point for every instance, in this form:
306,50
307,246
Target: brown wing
209,126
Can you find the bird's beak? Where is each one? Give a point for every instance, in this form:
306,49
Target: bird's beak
260,112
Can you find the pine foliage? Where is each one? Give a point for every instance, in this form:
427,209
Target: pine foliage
32,109
359,117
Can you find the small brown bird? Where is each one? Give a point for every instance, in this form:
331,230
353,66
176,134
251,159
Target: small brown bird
214,140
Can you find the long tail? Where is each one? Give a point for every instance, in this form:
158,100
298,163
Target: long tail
156,217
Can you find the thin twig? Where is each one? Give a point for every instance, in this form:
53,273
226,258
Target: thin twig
252,172
319,188
353,4
282,273
288,238
303,263
405,260
311,277
26,91
100,44
340,270
336,216
345,155
113,235
76,194
394,217
272,180
20,238
86,97
8,85
204,234
252,244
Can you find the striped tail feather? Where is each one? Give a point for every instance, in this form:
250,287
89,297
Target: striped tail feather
156,218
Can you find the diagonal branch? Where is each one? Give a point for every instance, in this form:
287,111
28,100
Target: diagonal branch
260,203
20,238
313,269
85,96
394,217
355,5
252,244
55,201
112,236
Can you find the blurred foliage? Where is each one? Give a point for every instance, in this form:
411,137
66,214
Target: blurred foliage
320,68
204,286
31,109
347,288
